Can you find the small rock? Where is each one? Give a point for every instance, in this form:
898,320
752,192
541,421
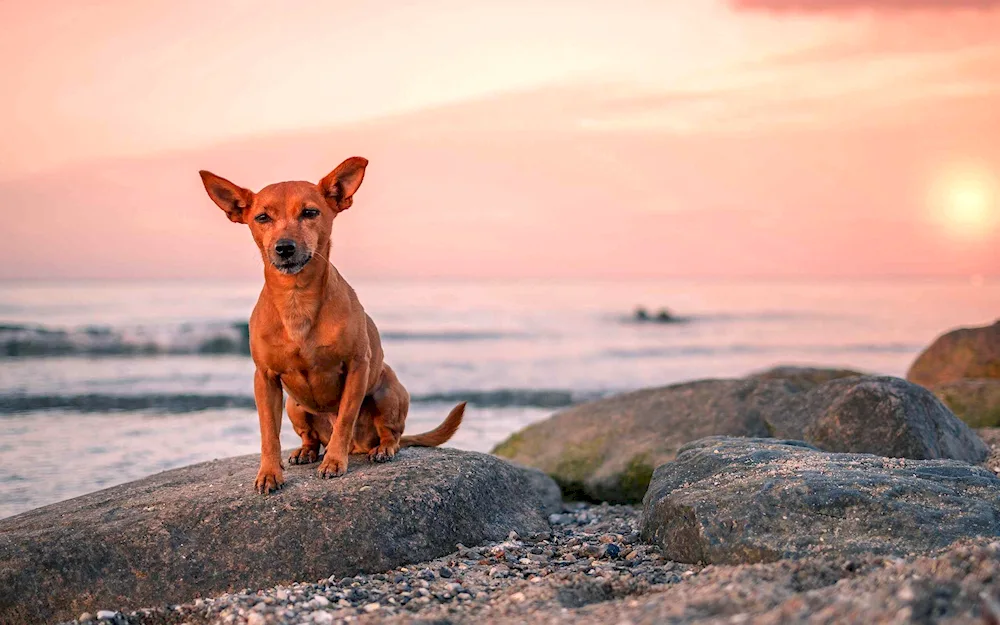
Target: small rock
906,594
322,618
593,550
612,551
85,617
445,572
319,601
255,618
426,574
106,615
512,536
518,597
371,607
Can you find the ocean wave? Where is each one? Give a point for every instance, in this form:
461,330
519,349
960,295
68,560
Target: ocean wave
186,338
20,341
682,351
183,403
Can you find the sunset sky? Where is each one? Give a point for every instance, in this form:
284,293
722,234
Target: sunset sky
509,139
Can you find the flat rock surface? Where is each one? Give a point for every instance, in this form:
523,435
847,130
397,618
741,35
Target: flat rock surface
606,450
962,353
733,501
201,530
552,578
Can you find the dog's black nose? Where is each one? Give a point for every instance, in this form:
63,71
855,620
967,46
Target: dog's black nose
285,248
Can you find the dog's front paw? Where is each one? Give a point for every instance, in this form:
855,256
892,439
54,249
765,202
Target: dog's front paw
269,478
332,466
383,453
304,455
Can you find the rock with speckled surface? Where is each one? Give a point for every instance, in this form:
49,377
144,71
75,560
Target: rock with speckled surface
744,501
201,530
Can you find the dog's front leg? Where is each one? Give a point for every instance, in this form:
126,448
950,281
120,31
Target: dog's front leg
267,393
335,461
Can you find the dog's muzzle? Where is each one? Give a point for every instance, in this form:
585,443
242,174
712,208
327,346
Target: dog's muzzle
289,257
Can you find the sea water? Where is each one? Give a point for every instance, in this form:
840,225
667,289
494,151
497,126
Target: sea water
106,382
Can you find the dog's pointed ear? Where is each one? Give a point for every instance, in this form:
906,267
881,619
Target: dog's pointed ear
233,199
340,184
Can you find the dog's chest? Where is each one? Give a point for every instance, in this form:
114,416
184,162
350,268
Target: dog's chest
317,387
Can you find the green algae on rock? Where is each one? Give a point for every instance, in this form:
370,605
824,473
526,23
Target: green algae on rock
974,401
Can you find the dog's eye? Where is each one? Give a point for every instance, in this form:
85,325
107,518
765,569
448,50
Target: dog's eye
263,218
310,213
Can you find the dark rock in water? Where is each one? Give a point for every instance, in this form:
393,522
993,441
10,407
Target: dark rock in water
974,401
663,316
959,354
201,530
606,450
735,501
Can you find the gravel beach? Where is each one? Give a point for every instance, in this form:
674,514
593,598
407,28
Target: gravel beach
591,569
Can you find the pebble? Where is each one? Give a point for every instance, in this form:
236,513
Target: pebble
85,617
256,618
319,601
106,615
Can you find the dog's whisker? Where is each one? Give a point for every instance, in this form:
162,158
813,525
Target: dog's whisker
323,257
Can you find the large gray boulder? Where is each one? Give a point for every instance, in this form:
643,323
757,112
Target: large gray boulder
201,530
876,415
606,450
735,501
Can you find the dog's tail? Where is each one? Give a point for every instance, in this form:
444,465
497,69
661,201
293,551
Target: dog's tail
440,434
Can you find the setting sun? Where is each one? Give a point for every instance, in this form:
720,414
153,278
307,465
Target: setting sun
966,202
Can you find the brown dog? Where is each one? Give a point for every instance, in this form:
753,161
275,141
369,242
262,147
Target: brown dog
310,334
